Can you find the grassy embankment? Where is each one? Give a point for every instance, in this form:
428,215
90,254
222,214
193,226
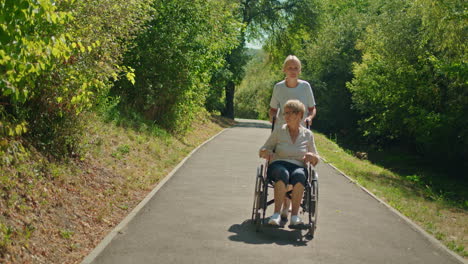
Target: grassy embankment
55,211
435,203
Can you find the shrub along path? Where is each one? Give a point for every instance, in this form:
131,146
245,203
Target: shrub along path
201,215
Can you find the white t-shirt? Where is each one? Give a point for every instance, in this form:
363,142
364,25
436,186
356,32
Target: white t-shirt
280,141
282,93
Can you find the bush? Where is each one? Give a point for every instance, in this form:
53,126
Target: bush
253,95
174,59
411,83
57,60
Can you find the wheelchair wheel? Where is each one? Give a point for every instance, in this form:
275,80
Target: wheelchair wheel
258,215
263,201
258,200
313,209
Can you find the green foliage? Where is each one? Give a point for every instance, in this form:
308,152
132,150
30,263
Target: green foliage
411,83
57,60
323,36
328,62
66,234
26,55
272,17
6,233
215,98
295,29
395,69
174,59
124,149
253,95
260,18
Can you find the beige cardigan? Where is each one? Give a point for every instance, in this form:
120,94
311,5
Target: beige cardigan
280,141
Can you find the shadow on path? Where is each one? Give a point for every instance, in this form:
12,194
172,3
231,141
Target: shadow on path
246,233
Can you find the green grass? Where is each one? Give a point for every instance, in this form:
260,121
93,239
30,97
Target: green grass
66,234
435,202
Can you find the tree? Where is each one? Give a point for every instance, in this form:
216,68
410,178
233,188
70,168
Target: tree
260,17
411,83
253,94
174,58
326,47
57,59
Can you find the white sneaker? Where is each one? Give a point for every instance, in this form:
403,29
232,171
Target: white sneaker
295,220
274,219
284,214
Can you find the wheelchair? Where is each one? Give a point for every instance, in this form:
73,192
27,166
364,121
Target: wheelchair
309,204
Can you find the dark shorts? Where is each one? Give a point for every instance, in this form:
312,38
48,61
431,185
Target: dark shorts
287,172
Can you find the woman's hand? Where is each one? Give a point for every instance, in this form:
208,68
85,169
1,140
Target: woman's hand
266,154
312,158
308,122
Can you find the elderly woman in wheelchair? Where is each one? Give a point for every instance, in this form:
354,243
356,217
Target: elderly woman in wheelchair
289,149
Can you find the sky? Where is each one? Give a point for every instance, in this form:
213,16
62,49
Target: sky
253,45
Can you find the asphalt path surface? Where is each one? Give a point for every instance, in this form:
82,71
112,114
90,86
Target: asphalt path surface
201,214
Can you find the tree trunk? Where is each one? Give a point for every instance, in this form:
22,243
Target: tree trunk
229,106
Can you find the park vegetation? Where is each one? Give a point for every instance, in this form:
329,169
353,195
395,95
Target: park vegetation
392,72
384,73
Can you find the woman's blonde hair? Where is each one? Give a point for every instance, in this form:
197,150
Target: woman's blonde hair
295,106
292,58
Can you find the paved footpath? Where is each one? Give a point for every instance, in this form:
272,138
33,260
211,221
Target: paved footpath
202,215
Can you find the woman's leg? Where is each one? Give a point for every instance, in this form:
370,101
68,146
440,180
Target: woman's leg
297,193
286,204
278,173
298,179
280,191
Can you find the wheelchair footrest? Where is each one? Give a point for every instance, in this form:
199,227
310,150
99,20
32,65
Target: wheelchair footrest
300,226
